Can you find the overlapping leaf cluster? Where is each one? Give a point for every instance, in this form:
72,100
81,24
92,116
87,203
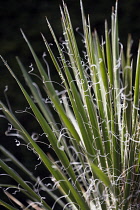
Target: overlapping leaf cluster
98,144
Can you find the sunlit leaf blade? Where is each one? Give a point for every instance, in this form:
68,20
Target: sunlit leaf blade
101,175
136,92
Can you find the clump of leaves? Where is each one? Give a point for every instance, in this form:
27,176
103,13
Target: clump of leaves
97,145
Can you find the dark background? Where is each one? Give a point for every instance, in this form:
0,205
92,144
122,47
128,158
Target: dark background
30,16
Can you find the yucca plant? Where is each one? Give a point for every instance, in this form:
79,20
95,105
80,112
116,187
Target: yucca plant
96,133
